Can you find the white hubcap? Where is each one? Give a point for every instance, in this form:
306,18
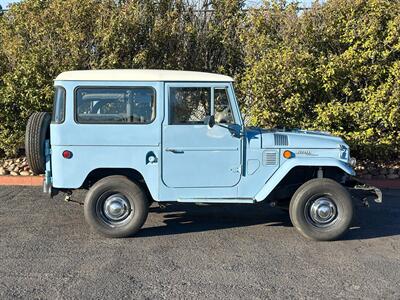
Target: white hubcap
323,211
116,208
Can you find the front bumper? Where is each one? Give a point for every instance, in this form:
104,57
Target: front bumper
364,191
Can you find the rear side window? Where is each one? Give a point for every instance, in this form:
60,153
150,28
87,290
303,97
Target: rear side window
115,105
58,116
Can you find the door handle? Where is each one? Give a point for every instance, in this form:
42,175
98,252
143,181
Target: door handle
173,150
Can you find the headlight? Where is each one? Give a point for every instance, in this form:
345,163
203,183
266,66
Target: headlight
352,161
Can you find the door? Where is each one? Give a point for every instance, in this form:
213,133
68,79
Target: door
196,154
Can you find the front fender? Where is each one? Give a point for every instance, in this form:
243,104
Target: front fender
295,162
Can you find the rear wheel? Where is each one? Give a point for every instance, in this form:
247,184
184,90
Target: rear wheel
37,131
116,207
321,209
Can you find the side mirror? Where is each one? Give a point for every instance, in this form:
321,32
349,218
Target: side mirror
236,130
209,120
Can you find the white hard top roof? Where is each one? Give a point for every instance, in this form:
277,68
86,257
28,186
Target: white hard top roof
141,75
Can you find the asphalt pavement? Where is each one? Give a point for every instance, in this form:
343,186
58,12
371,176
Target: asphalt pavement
193,252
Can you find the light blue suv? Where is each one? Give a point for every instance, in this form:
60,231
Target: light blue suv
131,137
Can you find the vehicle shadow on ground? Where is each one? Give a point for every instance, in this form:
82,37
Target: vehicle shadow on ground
185,218
379,220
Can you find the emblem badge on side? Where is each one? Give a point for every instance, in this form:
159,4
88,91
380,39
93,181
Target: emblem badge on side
306,152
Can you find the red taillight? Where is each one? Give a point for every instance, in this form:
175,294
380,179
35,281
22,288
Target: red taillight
67,154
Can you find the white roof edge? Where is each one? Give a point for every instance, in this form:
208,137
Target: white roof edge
141,75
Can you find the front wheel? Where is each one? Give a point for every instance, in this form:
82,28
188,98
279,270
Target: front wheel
116,207
321,209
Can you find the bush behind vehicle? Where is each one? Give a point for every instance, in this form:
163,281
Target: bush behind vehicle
334,67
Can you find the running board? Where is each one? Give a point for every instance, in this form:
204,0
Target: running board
217,200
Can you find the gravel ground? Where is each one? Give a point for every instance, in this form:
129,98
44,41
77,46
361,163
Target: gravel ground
189,251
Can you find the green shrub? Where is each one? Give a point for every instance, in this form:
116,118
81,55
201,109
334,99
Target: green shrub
41,38
335,67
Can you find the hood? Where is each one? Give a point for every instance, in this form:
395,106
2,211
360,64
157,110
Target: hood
299,139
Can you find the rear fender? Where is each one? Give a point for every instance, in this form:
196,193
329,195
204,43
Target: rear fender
289,164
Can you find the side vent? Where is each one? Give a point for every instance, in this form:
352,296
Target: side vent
281,140
270,158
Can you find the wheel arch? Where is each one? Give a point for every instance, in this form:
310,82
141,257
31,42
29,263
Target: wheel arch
132,174
291,165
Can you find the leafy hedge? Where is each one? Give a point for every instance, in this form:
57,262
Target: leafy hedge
335,67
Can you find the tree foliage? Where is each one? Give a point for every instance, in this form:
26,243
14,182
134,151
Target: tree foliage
334,67
41,38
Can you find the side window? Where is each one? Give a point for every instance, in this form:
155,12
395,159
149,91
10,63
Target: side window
223,111
58,116
189,105
115,105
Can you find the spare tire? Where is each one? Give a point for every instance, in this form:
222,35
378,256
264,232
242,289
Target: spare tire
37,131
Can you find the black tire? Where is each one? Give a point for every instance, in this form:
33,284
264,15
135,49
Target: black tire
326,197
122,189
37,131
